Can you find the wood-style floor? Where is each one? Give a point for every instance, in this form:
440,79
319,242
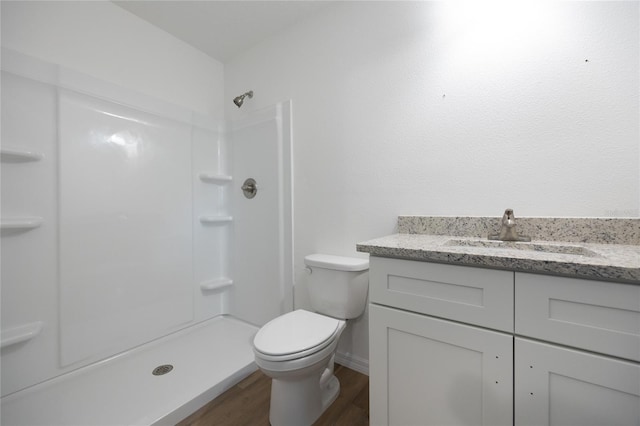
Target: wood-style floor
247,403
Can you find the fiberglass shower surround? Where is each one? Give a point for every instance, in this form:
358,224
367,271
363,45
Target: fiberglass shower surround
122,221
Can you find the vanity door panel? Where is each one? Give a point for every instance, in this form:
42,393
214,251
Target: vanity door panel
427,371
556,386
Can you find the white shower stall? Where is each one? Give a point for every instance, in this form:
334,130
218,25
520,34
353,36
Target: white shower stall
126,235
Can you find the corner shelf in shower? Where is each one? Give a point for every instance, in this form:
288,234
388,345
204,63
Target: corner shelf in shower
215,178
218,284
215,220
25,222
19,334
11,155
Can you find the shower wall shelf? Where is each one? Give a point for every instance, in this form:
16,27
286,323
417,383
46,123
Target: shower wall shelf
11,155
218,284
213,220
215,178
25,222
21,333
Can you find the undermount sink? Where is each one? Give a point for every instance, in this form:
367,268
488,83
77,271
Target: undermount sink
539,247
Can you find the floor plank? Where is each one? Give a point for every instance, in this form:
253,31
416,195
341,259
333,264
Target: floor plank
247,403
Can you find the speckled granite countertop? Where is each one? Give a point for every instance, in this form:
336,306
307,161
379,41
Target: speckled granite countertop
603,249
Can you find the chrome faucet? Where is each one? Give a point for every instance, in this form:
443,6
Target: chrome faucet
508,229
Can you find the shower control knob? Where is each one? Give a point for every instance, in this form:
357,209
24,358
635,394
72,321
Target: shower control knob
249,188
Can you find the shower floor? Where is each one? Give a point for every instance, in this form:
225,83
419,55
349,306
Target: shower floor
207,359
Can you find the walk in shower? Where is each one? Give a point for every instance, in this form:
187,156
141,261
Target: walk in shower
127,244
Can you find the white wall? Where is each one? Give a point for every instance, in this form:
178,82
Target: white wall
103,40
422,108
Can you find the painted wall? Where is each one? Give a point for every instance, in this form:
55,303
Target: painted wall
450,109
103,40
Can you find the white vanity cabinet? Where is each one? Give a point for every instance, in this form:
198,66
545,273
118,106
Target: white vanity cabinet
597,380
432,371
470,346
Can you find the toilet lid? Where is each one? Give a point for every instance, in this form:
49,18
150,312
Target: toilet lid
295,332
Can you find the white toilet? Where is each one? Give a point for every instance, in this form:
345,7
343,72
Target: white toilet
297,349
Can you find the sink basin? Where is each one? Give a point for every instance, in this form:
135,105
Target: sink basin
539,247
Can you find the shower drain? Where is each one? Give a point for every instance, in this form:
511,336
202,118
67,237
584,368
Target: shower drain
162,369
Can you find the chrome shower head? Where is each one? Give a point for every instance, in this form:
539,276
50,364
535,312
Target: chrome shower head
238,100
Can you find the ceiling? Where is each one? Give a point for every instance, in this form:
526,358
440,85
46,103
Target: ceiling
222,29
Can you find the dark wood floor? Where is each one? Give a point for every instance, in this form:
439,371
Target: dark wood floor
247,403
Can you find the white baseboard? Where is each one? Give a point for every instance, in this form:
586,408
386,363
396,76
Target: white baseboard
353,362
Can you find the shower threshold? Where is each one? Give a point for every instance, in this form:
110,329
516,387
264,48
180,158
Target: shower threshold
207,359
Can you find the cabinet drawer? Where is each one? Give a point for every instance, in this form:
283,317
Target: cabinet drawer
472,295
598,316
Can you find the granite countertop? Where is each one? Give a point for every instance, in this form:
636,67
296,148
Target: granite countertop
434,239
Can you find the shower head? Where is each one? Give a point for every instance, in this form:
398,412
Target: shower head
238,100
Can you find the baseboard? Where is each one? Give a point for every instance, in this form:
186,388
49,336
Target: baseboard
353,362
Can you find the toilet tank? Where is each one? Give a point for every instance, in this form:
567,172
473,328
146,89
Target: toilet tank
338,286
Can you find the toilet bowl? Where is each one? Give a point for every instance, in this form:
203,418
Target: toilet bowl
297,349
303,384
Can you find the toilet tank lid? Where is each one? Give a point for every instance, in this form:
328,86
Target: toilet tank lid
337,263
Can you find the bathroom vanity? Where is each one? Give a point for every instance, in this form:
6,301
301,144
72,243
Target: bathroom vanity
467,332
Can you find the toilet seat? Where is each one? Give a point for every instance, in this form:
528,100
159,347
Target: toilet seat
295,335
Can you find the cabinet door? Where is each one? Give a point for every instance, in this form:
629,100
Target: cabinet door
427,371
565,387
